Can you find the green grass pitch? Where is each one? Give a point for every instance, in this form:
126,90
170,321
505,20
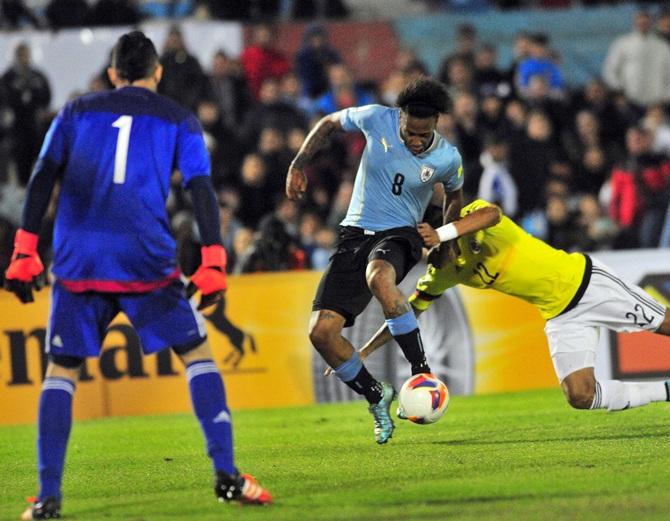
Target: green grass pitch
503,457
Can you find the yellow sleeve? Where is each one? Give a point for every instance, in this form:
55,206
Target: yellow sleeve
429,288
477,204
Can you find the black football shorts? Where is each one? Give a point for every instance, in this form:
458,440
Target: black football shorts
343,287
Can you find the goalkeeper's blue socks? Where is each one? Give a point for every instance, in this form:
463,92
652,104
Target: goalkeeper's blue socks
209,403
53,426
405,330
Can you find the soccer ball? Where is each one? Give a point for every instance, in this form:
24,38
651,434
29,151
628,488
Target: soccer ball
423,399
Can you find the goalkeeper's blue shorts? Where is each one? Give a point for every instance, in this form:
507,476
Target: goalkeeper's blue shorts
162,318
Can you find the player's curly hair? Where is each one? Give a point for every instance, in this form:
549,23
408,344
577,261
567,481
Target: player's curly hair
424,98
134,56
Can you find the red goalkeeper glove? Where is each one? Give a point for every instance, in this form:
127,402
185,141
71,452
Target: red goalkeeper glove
210,279
26,270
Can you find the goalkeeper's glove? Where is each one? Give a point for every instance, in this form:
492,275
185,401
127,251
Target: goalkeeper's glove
26,270
210,279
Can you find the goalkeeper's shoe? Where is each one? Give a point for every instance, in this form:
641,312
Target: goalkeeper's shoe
48,508
380,411
242,488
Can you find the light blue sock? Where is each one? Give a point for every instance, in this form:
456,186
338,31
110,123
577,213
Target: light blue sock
209,403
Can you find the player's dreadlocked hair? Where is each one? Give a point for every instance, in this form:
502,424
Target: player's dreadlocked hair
134,56
424,98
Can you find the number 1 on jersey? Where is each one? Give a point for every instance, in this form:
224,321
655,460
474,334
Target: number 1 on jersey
124,123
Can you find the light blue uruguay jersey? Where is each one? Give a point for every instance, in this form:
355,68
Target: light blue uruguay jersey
393,187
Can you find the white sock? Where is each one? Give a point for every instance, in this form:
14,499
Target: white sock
614,395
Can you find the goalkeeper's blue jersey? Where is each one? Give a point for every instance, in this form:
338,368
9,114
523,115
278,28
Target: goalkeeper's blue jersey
116,152
393,187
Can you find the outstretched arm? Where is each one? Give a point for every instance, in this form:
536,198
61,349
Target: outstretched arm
473,222
296,181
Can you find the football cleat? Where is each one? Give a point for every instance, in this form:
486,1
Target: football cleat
48,508
242,488
400,412
380,411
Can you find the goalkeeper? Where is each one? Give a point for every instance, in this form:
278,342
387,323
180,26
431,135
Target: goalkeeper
574,293
113,154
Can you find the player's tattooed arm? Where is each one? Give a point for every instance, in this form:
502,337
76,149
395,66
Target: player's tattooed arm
296,181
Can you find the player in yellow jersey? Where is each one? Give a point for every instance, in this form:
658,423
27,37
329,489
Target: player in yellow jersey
574,293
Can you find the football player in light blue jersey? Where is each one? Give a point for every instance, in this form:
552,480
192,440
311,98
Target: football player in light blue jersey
403,160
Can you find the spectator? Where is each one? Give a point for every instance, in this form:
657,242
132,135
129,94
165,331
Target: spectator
516,116
273,249
466,42
183,79
310,223
496,184
271,111
229,88
230,226
254,202
28,97
460,78
489,80
292,93
589,155
663,25
538,97
540,63
469,140
640,192
342,93
613,123
656,123
520,51
261,61
638,64
491,117
313,59
325,247
562,232
61,14
530,160
223,145
273,150
596,230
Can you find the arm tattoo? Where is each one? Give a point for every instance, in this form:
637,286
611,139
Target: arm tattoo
313,142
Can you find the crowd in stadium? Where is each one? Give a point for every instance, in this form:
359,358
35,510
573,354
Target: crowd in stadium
583,169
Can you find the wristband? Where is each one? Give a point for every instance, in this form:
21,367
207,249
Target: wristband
214,255
25,242
447,232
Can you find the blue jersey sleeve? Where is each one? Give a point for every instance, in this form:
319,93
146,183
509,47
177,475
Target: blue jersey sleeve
54,148
454,174
357,118
192,156
49,165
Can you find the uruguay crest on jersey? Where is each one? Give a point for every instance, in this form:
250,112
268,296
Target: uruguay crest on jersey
426,173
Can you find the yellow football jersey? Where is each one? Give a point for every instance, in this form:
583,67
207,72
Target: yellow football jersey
506,258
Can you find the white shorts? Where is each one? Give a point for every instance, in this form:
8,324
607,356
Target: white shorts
607,302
